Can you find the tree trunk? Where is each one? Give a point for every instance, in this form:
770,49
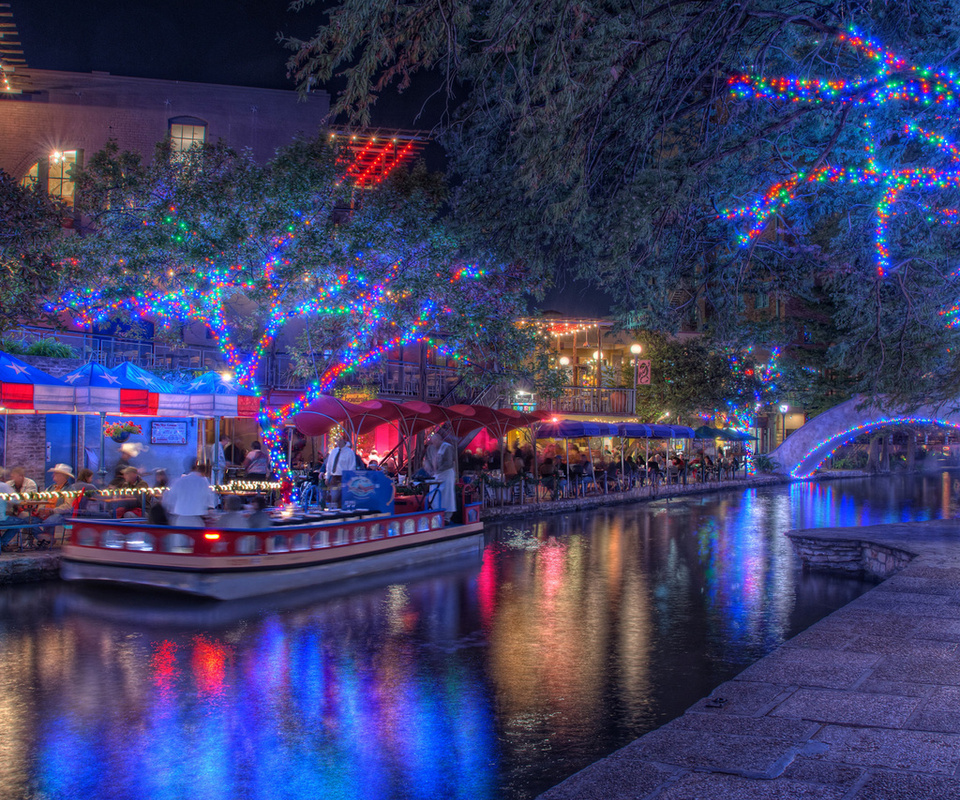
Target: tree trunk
885,454
911,450
873,455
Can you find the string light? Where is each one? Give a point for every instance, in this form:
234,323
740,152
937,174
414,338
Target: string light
894,81
837,440
382,313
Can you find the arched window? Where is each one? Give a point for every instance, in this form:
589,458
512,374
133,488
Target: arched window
186,133
55,174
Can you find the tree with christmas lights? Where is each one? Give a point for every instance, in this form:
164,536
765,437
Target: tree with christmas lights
602,140
271,255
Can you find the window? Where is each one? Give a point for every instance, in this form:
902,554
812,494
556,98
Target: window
187,133
762,300
55,174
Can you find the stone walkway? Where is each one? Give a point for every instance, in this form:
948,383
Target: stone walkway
863,705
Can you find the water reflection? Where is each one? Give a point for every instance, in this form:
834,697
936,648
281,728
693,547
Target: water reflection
562,640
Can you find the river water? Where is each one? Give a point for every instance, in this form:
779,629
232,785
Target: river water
491,678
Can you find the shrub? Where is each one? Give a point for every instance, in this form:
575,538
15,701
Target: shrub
50,348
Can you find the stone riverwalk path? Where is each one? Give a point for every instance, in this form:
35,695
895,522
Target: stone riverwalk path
863,705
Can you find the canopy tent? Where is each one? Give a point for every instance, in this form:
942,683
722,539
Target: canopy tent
27,389
97,390
727,434
324,414
412,417
732,435
706,432
576,429
163,399
211,395
644,430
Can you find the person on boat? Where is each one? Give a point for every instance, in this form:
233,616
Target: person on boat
191,497
259,518
443,463
340,459
232,516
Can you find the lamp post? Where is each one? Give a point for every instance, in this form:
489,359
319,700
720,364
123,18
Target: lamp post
636,350
784,408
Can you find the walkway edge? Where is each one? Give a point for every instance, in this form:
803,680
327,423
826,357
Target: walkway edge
864,704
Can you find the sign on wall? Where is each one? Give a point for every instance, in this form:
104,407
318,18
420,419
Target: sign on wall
168,432
643,373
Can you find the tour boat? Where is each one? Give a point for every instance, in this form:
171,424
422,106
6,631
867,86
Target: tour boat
300,550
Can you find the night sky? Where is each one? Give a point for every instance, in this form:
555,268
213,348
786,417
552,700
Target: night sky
231,42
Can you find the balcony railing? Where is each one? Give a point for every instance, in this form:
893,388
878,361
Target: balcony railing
588,400
396,380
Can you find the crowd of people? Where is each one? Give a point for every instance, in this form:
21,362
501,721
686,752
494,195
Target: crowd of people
558,469
572,470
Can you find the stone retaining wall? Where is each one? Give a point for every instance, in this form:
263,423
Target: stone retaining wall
851,556
29,567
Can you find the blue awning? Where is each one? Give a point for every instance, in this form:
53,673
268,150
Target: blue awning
576,429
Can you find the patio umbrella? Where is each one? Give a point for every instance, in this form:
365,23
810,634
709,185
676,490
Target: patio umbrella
163,399
211,395
97,390
24,388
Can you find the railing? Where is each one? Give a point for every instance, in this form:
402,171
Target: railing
587,400
394,379
499,492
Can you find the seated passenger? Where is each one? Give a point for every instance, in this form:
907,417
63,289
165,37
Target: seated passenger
232,516
259,518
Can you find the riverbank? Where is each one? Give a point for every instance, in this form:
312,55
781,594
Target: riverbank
863,705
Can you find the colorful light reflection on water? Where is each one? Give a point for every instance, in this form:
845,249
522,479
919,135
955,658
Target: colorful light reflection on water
495,678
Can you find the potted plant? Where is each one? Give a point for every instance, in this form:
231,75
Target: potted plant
120,431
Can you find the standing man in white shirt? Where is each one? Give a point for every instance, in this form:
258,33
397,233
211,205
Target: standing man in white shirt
190,498
340,459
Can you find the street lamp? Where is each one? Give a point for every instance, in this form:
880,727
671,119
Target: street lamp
784,408
636,350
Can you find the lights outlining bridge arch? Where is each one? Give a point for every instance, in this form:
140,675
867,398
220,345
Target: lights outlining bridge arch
803,470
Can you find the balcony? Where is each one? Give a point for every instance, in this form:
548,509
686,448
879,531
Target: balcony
588,400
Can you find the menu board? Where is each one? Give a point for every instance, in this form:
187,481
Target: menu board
168,432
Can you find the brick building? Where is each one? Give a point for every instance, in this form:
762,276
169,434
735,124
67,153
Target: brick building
55,119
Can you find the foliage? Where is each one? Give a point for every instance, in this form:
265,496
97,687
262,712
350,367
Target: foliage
266,255
602,137
30,224
689,377
764,463
50,348
117,428
12,347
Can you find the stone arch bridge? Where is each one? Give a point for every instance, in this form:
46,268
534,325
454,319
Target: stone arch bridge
808,447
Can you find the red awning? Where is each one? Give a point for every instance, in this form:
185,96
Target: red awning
324,414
